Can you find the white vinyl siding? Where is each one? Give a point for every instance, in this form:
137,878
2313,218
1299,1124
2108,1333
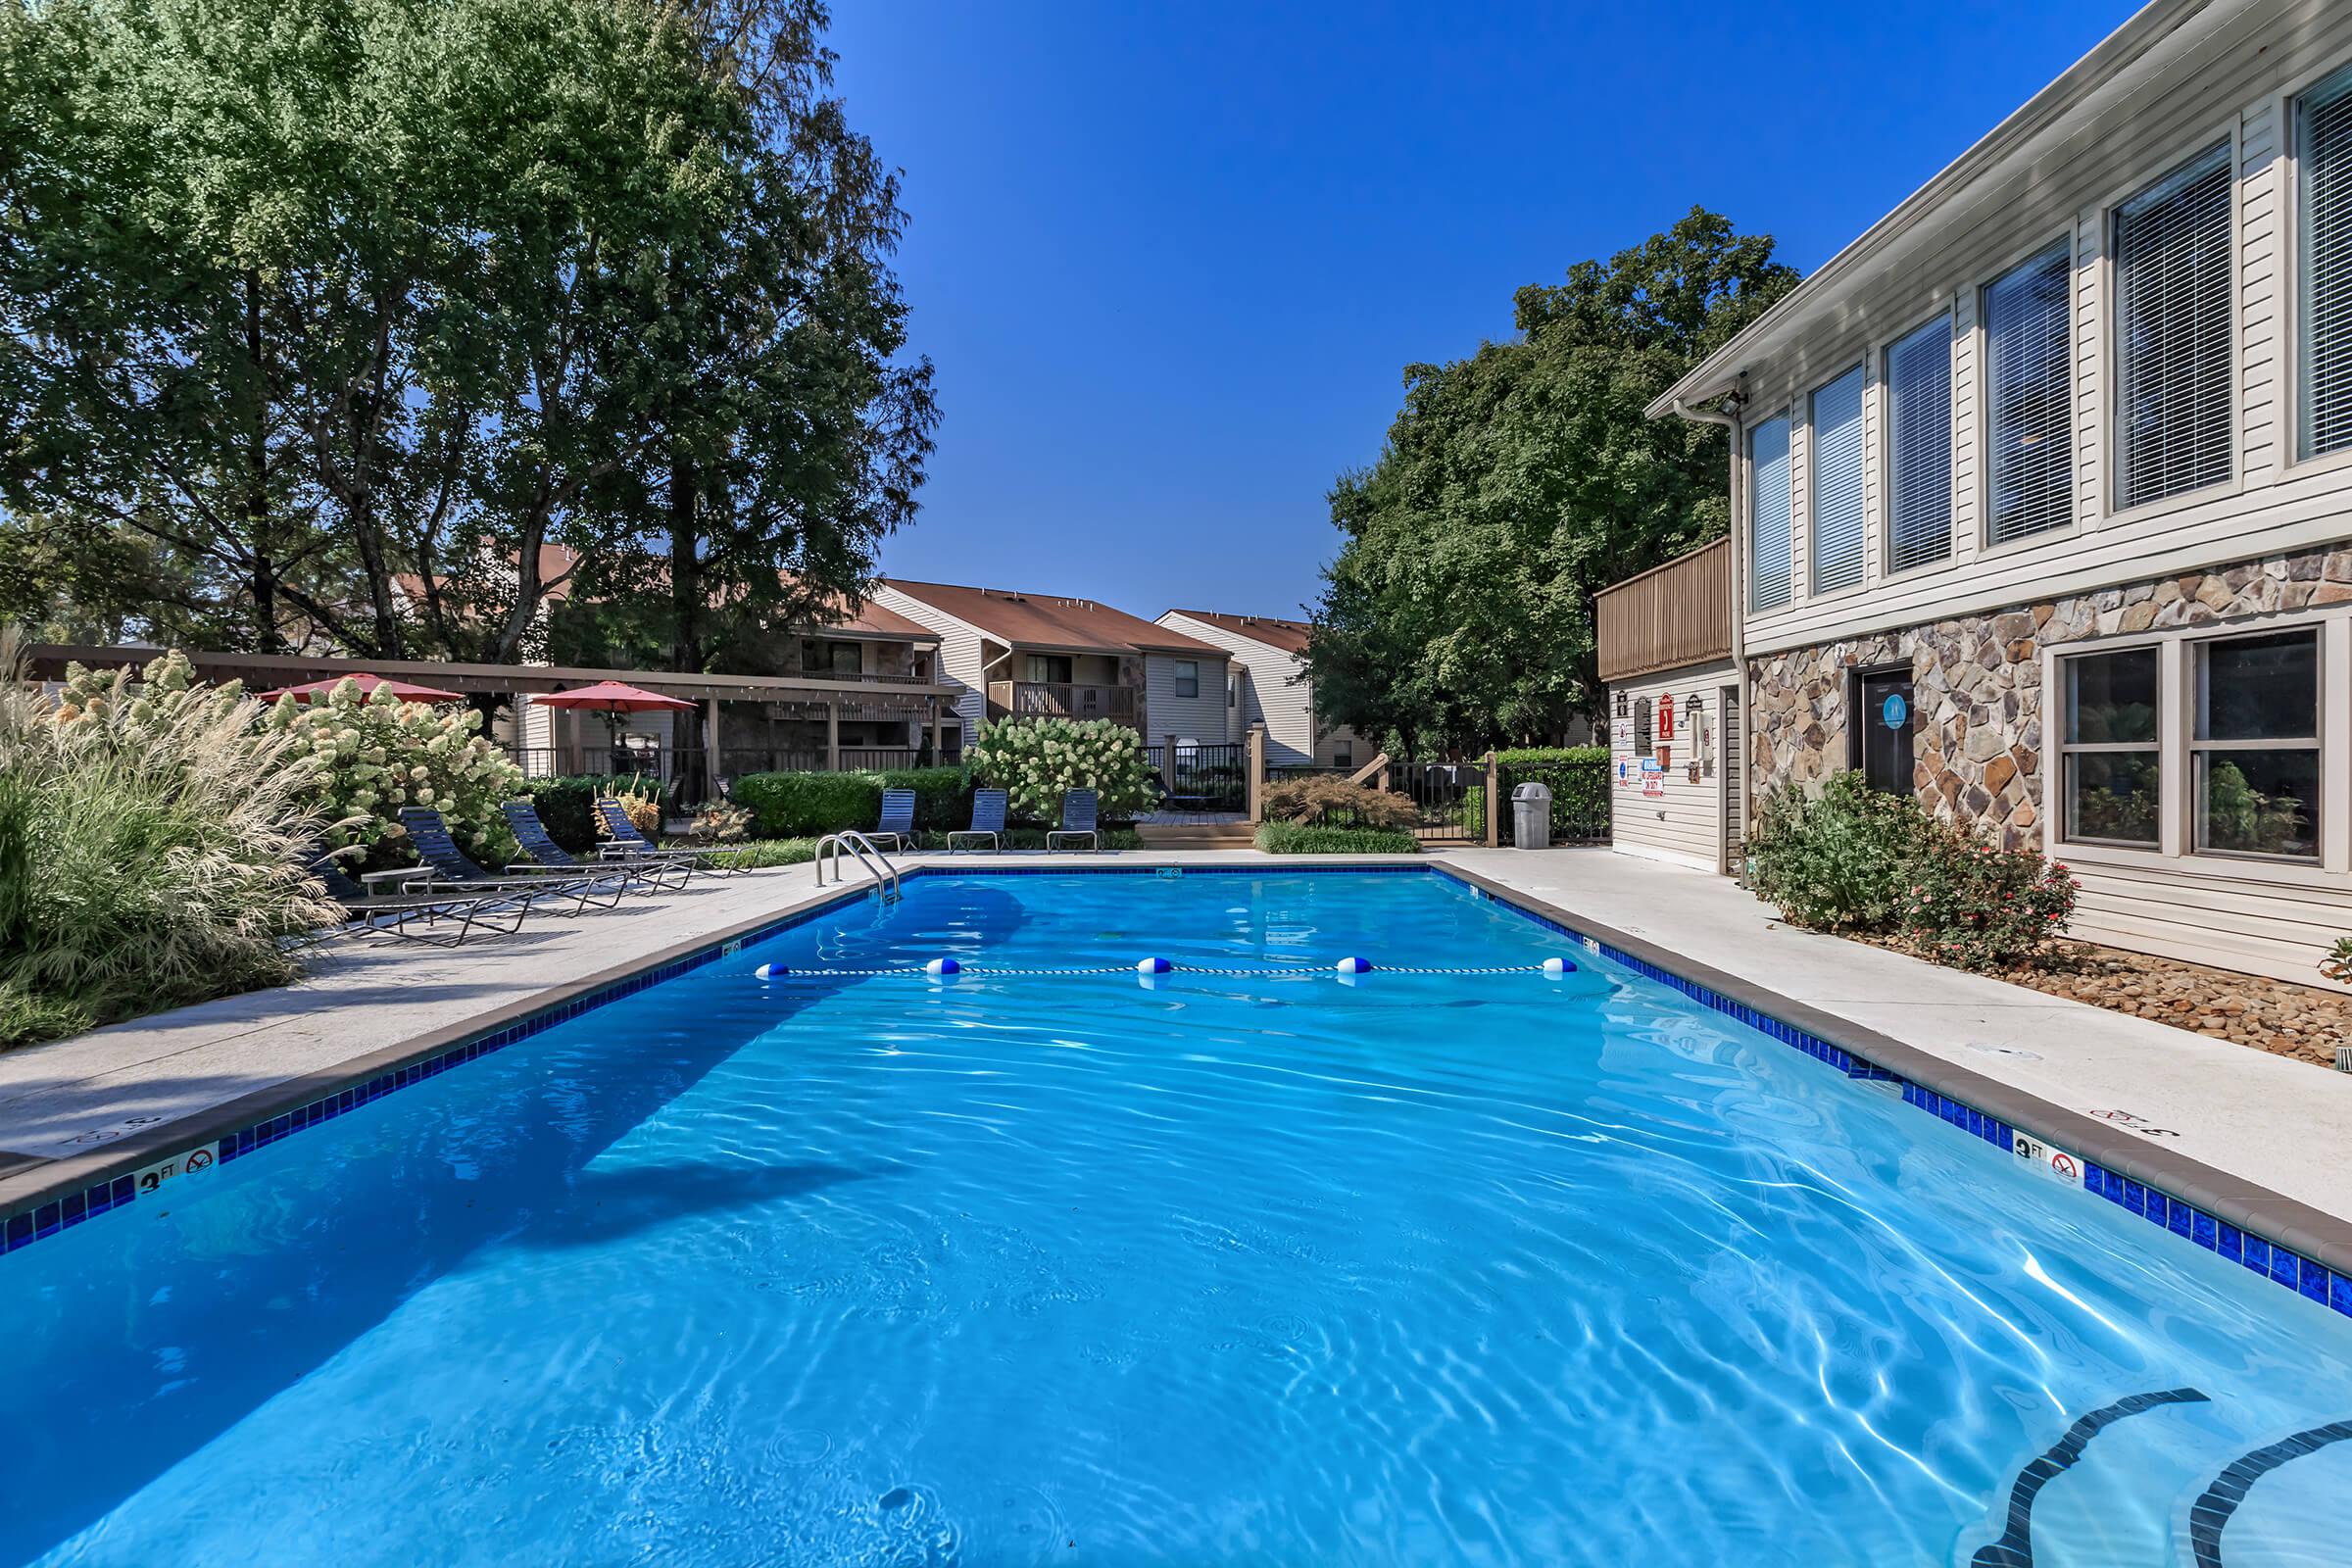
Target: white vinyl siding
1769,564
1918,447
1838,530
1682,824
2324,156
2030,384
2173,339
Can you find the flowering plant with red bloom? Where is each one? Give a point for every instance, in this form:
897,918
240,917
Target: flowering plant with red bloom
1979,906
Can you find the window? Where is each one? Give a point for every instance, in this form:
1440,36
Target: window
2324,162
920,668
2109,755
1188,677
1342,754
1768,513
1837,456
848,659
2257,745
2173,309
1233,688
1918,447
2029,397
1046,670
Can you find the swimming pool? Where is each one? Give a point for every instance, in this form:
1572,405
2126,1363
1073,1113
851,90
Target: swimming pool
1260,1266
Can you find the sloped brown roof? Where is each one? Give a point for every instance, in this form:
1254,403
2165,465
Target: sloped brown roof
1290,636
871,620
1046,621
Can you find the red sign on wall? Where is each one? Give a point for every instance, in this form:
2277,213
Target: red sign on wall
1666,715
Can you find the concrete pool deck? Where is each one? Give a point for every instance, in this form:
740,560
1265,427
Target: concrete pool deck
75,1109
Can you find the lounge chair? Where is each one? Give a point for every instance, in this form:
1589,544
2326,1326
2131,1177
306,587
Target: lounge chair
898,822
623,841
443,922
1077,821
988,821
444,864
547,854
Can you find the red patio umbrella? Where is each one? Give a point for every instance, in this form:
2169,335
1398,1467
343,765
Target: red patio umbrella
612,699
406,691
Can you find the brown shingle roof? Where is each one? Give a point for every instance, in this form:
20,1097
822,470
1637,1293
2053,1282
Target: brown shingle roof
1045,620
1290,636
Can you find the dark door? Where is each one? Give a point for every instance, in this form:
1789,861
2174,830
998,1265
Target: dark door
1884,712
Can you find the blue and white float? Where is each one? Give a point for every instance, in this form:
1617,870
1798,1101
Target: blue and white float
771,971
942,966
1558,965
1152,966
1353,965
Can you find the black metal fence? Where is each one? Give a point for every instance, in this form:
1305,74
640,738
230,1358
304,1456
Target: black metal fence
1580,798
1450,796
1207,779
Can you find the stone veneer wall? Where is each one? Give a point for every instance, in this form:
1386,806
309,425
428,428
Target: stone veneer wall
1977,683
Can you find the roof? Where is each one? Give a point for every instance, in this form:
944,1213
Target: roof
870,620
1289,636
2107,68
1048,620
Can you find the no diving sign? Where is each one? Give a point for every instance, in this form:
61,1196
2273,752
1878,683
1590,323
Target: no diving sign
2053,1160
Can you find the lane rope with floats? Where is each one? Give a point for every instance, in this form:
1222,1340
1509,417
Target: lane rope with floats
944,968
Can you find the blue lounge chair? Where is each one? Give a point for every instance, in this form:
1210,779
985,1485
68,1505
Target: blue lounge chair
623,841
443,922
1077,821
444,864
547,854
898,822
988,821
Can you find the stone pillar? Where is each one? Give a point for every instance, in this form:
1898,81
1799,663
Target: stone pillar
1257,772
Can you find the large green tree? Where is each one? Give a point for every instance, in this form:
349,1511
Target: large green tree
1518,483
345,311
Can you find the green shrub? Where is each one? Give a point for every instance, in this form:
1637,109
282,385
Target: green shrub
566,806
812,804
752,854
1551,755
1327,800
1578,777
1034,760
1297,838
1976,906
1840,860
153,845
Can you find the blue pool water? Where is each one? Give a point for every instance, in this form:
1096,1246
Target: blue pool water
1262,1269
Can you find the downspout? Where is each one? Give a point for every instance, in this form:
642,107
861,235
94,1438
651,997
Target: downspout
1734,402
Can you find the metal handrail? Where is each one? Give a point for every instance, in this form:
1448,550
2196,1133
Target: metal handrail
864,848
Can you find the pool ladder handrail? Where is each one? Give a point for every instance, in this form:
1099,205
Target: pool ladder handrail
885,874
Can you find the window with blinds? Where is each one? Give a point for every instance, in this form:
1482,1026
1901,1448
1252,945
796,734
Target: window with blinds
1918,447
1768,551
2029,397
2324,163
2172,314
1836,454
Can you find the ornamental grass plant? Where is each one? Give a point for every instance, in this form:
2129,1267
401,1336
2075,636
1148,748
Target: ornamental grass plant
153,839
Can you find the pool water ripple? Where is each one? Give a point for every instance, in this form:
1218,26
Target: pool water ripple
1080,1269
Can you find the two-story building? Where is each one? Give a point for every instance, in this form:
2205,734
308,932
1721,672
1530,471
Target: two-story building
1011,653
1267,683
2044,488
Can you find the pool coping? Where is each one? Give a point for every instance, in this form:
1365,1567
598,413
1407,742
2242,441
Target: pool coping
2211,1208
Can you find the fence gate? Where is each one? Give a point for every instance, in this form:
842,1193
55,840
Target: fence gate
1207,778
1451,798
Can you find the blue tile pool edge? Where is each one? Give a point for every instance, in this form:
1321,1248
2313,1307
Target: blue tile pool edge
49,1213
2273,1259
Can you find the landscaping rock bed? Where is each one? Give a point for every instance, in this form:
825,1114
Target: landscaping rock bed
2305,1022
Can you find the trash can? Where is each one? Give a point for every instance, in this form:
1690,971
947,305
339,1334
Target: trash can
1531,816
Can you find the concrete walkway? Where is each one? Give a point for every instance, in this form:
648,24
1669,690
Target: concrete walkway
2282,1125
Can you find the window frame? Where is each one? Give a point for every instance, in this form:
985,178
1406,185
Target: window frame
2288,343
1179,678
2194,745
1815,593
2067,749
1948,315
2110,439
1787,415
1987,546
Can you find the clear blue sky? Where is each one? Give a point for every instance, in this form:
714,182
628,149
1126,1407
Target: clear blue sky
1170,260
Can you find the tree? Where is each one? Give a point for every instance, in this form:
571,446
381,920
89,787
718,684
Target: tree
347,310
1517,483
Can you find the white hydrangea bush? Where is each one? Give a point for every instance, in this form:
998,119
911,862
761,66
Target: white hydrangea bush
1034,760
371,754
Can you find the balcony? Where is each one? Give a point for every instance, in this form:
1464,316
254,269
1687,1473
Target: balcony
1032,699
